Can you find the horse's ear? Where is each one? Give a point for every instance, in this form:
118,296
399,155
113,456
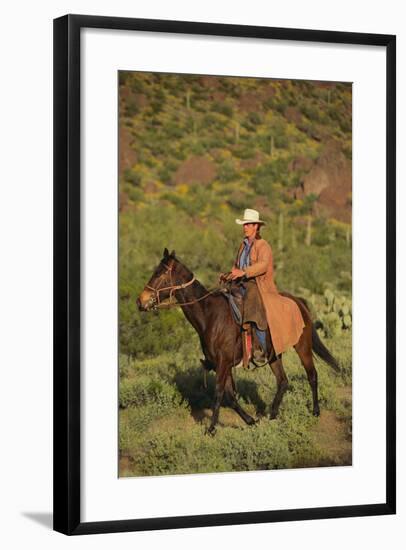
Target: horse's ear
173,253
166,253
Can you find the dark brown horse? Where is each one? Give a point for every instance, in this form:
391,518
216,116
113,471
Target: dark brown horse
220,336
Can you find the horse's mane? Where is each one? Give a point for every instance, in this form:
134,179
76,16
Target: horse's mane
201,289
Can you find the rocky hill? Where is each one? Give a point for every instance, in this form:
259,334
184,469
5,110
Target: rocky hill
278,145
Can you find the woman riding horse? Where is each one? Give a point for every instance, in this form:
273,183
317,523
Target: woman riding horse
209,313
263,305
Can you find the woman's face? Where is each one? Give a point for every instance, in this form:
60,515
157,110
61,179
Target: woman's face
250,230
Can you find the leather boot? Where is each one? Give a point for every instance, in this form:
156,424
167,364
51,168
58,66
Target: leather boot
258,353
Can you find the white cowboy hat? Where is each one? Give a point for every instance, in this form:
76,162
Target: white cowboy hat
250,216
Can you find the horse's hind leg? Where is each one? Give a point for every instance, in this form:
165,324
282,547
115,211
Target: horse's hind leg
304,350
282,385
230,392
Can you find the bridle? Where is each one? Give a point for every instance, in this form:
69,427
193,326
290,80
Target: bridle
157,303
172,288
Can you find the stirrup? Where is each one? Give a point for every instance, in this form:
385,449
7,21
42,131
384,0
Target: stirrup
259,356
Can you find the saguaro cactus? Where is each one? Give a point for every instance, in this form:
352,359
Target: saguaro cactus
348,235
293,235
309,231
280,231
237,131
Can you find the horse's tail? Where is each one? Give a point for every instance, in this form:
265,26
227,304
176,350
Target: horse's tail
317,345
320,349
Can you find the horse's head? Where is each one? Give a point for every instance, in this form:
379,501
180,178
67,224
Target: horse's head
162,284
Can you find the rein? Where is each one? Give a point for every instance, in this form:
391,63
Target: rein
174,304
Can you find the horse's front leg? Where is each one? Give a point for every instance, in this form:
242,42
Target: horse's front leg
221,377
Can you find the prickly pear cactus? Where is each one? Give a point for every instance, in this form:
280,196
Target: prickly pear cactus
332,324
334,311
347,321
329,296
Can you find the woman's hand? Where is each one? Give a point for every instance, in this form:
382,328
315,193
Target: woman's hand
224,277
237,273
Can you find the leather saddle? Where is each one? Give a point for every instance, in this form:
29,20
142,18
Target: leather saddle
234,295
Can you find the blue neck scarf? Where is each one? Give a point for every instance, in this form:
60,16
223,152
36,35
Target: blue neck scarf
245,254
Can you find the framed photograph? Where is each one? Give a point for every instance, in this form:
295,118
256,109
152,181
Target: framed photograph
224,274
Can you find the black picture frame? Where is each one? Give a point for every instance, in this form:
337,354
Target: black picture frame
67,287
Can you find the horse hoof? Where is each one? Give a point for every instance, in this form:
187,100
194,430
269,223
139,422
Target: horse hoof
316,412
273,416
210,431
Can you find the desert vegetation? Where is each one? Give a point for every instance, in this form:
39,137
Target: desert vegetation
194,152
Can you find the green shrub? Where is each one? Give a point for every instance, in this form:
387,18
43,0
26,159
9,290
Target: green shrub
254,118
227,171
222,108
144,390
132,177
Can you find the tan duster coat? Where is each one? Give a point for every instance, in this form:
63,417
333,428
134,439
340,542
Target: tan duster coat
283,314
